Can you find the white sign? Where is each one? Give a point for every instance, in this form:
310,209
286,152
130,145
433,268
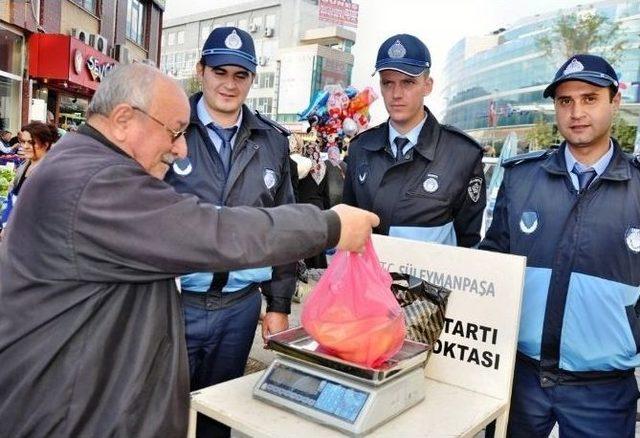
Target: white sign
478,343
38,110
296,70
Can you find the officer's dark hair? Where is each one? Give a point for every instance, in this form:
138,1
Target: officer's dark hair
203,64
613,90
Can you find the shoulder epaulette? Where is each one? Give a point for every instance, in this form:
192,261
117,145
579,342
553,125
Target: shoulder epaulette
523,158
460,132
278,127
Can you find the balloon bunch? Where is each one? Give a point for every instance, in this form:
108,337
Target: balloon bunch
335,113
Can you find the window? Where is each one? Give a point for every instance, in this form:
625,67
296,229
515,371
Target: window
270,21
204,32
256,22
135,22
179,61
11,67
265,80
89,5
181,37
265,105
269,48
172,39
257,43
243,24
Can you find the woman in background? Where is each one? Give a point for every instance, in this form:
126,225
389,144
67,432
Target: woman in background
35,140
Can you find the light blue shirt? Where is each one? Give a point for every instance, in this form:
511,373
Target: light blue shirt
205,118
599,166
412,136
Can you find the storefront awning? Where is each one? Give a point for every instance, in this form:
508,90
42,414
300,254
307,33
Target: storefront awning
67,63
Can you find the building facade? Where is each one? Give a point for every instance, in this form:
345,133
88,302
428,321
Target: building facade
53,53
494,83
297,53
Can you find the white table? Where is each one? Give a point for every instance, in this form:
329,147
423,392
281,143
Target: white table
447,410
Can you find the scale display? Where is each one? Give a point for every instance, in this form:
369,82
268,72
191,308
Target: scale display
314,392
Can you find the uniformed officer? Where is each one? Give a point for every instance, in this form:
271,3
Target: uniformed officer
575,214
235,157
425,180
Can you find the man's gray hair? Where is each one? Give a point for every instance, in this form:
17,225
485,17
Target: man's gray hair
131,84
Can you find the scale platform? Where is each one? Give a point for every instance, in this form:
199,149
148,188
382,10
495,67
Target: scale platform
343,395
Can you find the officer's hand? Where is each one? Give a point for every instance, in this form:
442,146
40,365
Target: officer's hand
355,227
272,323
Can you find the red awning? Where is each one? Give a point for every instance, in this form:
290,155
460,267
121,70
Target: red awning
67,63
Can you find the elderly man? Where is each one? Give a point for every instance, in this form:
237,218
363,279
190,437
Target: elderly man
91,335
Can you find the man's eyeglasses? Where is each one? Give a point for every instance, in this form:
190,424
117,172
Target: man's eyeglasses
172,132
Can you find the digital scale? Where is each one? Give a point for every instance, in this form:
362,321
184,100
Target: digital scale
343,395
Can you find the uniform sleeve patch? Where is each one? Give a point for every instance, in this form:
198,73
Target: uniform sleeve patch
474,188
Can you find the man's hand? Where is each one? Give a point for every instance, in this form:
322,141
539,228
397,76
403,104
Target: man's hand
355,227
272,323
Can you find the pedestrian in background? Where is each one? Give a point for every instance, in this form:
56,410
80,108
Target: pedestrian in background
35,139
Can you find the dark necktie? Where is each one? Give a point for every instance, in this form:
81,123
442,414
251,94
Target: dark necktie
400,143
584,178
225,134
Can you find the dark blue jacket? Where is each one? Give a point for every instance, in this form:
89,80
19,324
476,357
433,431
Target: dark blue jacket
579,317
436,193
259,177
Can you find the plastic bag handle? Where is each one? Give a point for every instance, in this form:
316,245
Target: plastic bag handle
370,258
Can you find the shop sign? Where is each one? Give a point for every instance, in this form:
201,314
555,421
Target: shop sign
97,69
77,61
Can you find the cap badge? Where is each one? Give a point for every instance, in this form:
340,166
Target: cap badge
573,67
233,41
397,50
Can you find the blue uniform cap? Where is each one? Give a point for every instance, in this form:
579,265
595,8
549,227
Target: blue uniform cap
403,53
230,46
586,68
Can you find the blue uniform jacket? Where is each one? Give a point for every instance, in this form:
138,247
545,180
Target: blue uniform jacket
579,311
436,193
259,177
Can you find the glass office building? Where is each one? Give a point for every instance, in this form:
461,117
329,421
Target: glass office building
495,82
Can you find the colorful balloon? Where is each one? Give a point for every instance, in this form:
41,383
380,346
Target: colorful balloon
349,127
319,100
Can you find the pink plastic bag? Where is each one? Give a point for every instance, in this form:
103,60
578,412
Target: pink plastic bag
352,312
